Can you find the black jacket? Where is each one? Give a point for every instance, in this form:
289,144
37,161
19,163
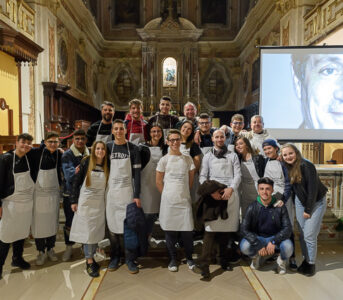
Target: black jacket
311,189
282,224
78,180
105,129
259,162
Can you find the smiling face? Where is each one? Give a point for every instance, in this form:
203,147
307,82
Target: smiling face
186,130
118,130
270,152
189,112
100,150
23,146
256,124
107,113
322,92
174,142
237,126
80,142
218,138
265,191
156,134
165,107
241,146
135,111
205,126
289,155
52,144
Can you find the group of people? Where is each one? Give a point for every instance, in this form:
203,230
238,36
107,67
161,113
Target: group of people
238,187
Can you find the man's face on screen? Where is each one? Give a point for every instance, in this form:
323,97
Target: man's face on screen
323,89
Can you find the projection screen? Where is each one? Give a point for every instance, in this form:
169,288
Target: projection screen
301,92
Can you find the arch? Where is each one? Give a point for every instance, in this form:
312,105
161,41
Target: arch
169,72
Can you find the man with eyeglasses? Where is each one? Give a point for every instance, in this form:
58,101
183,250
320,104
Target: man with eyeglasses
235,129
205,132
70,165
46,198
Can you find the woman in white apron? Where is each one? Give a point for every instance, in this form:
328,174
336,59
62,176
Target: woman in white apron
174,178
46,199
17,199
88,203
192,149
151,153
252,168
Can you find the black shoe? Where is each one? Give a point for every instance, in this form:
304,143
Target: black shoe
21,263
203,270
310,270
0,272
293,264
92,270
226,267
96,264
234,257
302,267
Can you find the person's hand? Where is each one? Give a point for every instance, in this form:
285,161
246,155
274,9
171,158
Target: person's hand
306,216
279,158
77,169
74,207
197,138
270,248
227,193
279,203
0,211
61,150
217,195
137,201
262,252
224,128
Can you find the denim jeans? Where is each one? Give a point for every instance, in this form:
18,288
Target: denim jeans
309,228
285,247
89,250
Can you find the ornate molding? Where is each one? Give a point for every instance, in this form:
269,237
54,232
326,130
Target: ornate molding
321,19
284,6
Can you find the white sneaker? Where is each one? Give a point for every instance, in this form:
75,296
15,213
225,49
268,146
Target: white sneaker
67,253
256,262
172,267
41,258
281,265
191,264
52,256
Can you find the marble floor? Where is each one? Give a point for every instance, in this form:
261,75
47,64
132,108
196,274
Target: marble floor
69,280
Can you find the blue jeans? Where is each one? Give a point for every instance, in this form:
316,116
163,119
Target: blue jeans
285,247
309,228
89,250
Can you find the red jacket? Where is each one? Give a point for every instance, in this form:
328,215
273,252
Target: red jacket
135,126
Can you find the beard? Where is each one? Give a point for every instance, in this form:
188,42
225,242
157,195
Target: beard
107,117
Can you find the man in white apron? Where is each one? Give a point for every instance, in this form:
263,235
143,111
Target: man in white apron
135,124
46,200
277,171
203,136
102,130
123,188
174,179
16,198
223,166
163,117
71,160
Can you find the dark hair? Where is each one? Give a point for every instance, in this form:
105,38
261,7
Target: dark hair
136,102
51,134
190,139
265,180
167,98
204,116
247,143
173,131
79,132
25,137
119,121
161,141
107,103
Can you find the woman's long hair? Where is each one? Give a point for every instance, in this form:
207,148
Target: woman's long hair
294,170
247,144
190,139
92,163
161,141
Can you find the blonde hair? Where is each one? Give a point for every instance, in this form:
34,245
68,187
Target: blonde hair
92,163
294,171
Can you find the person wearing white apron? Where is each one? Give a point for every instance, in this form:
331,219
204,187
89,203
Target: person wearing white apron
102,129
223,166
16,198
190,148
174,178
277,171
252,168
203,136
151,153
135,124
123,188
163,117
88,203
46,198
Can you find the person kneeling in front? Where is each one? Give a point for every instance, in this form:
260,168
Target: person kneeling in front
266,228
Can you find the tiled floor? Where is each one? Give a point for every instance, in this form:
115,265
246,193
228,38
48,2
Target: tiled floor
69,281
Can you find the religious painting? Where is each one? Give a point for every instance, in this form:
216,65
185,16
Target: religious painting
126,12
169,72
63,56
255,83
214,11
81,71
123,86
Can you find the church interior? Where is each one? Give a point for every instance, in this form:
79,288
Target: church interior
61,59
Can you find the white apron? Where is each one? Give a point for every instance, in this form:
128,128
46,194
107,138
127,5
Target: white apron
150,196
46,202
119,192
221,170
88,225
17,208
176,207
137,138
103,137
165,131
204,150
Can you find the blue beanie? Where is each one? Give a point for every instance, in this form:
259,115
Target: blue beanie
270,142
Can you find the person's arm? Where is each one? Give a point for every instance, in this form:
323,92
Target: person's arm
68,169
145,155
288,187
159,181
246,233
236,166
136,173
309,173
286,227
78,181
204,170
91,134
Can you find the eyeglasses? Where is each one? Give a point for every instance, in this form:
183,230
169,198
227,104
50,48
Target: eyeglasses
80,139
172,141
204,123
53,142
237,123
